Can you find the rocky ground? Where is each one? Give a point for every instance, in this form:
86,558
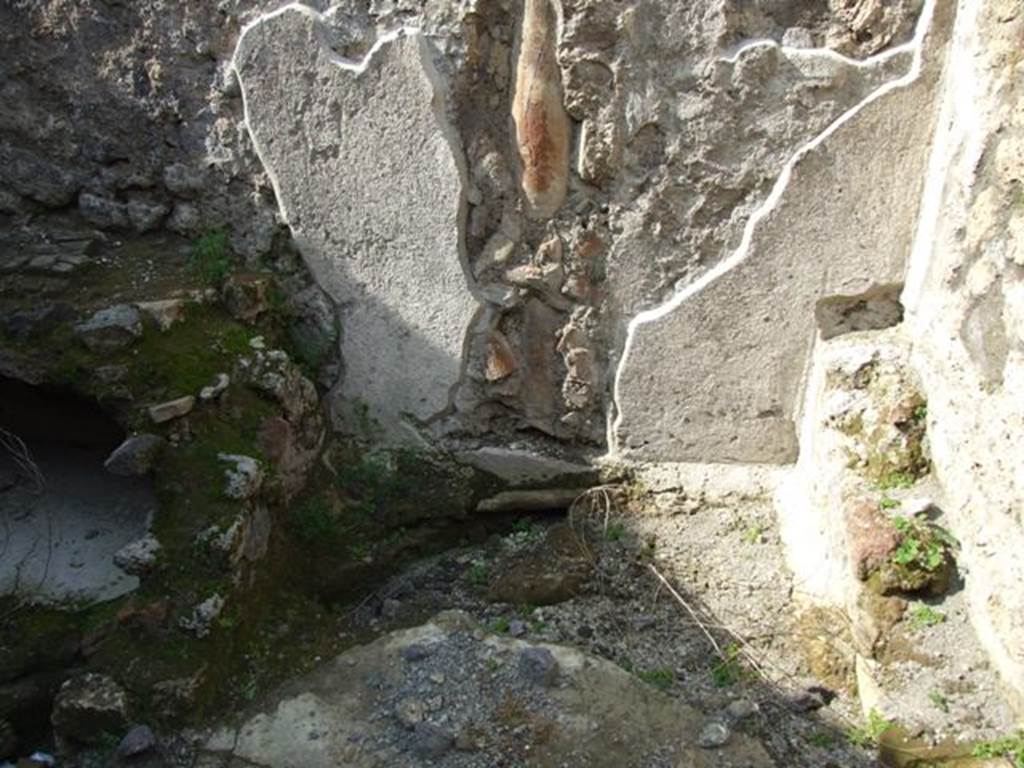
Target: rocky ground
669,638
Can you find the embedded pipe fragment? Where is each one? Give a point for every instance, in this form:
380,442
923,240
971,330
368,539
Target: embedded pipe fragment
542,126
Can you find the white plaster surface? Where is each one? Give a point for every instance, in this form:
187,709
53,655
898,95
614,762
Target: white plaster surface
716,373
965,301
367,173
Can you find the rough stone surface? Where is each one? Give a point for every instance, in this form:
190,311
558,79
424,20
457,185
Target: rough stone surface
293,440
165,312
88,706
524,467
138,557
538,666
216,389
965,309
749,182
111,330
203,616
172,409
244,476
598,715
135,456
60,544
365,166
138,740
542,126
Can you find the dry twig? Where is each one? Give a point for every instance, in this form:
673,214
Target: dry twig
19,452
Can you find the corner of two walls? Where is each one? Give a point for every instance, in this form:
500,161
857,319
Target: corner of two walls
965,304
962,339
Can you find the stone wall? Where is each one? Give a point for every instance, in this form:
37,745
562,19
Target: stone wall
965,302
958,355
639,231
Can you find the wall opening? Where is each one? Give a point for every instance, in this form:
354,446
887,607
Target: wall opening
872,311
62,515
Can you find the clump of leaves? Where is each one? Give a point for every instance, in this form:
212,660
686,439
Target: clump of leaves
821,739
896,479
478,574
210,259
938,701
753,534
922,616
870,731
661,678
888,502
500,625
1008,746
922,558
728,671
922,545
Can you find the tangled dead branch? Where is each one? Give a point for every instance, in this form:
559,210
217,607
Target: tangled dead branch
15,447
594,504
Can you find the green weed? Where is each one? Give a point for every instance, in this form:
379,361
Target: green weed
753,534
821,739
728,671
938,701
1008,746
478,574
922,616
870,731
661,678
210,260
922,545
614,532
896,479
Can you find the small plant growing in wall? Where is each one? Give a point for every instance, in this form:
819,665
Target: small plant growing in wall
939,701
478,574
210,259
922,559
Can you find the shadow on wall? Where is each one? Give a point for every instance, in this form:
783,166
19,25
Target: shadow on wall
369,176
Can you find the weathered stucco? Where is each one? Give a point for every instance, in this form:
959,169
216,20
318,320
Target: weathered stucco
368,175
965,303
716,373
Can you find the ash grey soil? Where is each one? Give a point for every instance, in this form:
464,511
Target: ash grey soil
465,702
58,544
466,697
